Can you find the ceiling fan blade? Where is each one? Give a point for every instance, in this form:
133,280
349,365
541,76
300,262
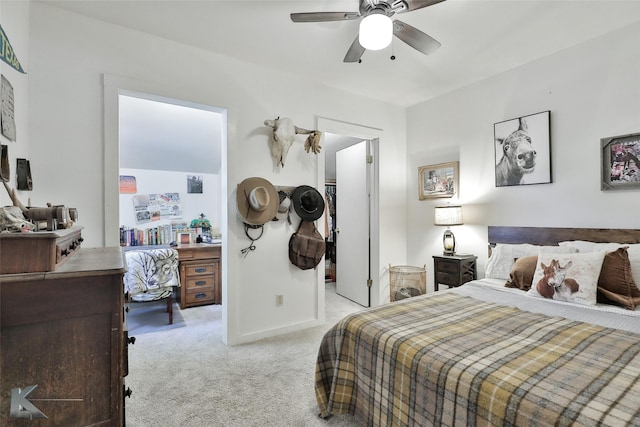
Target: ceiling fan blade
415,38
418,4
323,16
355,52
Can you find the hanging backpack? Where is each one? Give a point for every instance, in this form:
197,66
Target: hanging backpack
306,246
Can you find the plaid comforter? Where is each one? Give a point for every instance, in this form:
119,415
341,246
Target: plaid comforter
447,359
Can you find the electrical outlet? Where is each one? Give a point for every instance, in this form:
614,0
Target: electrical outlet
279,300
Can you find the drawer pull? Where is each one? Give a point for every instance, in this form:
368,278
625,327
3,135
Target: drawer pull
128,392
200,269
200,282
201,295
131,340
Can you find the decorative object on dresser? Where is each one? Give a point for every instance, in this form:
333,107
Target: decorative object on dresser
454,270
448,215
64,342
437,181
199,275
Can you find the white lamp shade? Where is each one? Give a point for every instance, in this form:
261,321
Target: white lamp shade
376,32
448,215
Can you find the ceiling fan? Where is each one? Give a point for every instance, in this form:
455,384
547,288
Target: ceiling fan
368,8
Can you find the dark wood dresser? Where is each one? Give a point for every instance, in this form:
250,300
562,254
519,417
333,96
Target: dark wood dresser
199,275
63,332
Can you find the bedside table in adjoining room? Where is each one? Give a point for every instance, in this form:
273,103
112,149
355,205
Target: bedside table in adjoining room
454,270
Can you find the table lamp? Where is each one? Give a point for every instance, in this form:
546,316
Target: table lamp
448,215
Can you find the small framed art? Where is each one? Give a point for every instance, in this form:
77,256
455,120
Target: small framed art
184,237
620,164
438,181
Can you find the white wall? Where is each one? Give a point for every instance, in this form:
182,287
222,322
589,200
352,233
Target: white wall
14,17
592,91
71,54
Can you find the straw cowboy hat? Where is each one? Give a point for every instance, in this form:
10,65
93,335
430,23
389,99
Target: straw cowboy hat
307,202
283,208
257,201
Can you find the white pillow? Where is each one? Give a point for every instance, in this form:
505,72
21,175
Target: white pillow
633,251
567,277
503,257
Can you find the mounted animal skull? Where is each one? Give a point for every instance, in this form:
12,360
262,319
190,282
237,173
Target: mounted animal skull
284,133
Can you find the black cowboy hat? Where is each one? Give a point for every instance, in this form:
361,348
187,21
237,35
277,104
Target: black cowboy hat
307,202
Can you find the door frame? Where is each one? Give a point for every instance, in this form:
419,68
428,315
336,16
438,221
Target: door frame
113,86
330,125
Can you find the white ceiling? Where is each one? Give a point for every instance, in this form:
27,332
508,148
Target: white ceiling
480,38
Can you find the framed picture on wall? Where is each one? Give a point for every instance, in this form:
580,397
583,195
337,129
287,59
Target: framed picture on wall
194,184
620,164
523,150
438,181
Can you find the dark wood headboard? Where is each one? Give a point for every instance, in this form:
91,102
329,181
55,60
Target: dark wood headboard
552,235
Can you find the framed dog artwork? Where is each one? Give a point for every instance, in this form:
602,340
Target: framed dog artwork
620,162
523,150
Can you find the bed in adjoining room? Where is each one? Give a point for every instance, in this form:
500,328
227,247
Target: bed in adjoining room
550,337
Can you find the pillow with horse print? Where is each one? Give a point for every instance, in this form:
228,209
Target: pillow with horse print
504,255
567,277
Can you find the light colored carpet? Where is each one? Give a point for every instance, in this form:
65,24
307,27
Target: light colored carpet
152,316
186,376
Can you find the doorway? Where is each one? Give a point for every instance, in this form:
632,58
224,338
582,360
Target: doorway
170,161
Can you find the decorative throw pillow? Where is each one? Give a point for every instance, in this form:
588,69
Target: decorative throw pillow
521,275
567,277
632,249
616,284
503,257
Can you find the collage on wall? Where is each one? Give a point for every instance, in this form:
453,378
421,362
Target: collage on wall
153,207
620,162
523,150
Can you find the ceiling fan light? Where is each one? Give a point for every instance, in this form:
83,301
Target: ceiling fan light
376,31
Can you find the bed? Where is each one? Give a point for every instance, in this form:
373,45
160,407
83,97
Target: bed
490,354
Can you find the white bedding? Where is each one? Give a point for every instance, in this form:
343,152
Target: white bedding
606,315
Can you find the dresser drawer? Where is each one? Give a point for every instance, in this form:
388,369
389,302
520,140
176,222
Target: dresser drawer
448,267
200,296
447,279
199,282
199,269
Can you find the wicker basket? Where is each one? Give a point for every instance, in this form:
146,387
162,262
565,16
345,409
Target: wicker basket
407,281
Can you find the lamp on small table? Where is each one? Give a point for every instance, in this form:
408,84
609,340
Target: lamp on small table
448,215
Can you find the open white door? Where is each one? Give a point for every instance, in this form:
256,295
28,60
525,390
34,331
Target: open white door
352,223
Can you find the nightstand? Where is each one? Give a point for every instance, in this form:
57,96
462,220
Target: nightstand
454,270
